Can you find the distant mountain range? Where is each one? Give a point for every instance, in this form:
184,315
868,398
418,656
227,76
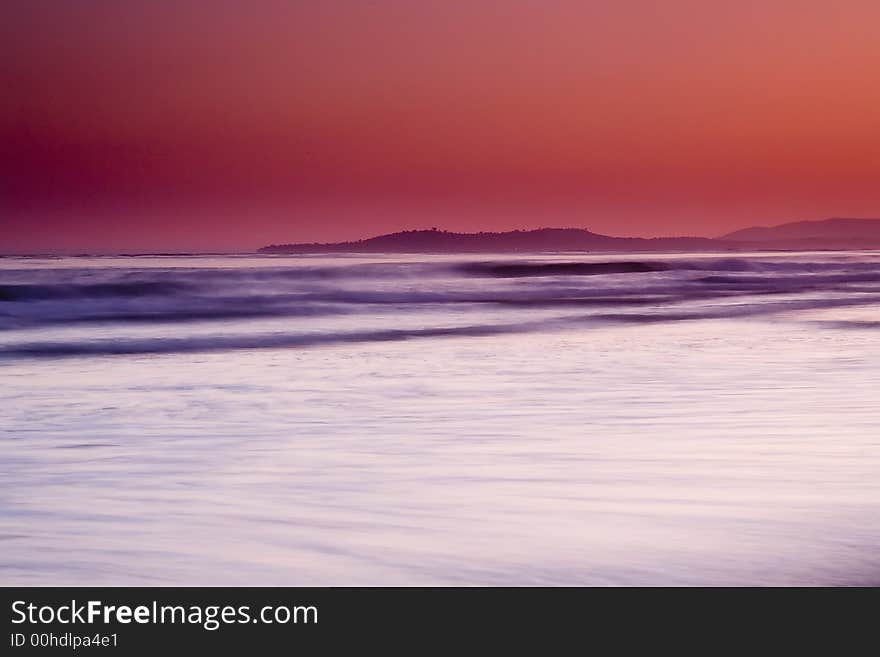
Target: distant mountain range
544,239
833,234
837,233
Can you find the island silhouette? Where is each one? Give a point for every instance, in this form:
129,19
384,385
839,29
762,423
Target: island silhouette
828,234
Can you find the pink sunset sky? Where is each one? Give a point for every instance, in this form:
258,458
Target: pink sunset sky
135,125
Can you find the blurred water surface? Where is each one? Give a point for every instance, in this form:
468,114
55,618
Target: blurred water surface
535,420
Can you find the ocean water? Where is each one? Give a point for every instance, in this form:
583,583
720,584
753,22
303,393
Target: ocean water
659,419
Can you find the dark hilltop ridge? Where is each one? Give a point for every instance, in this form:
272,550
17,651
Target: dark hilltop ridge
836,233
543,239
830,234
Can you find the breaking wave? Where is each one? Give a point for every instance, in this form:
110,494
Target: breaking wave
261,304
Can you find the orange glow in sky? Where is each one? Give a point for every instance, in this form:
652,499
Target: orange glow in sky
227,125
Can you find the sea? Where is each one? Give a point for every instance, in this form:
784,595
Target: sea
549,419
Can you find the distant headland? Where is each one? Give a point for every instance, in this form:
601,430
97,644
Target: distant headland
828,234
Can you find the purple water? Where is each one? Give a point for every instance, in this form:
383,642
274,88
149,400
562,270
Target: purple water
559,420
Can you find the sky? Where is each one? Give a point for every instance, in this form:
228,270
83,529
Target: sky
176,125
